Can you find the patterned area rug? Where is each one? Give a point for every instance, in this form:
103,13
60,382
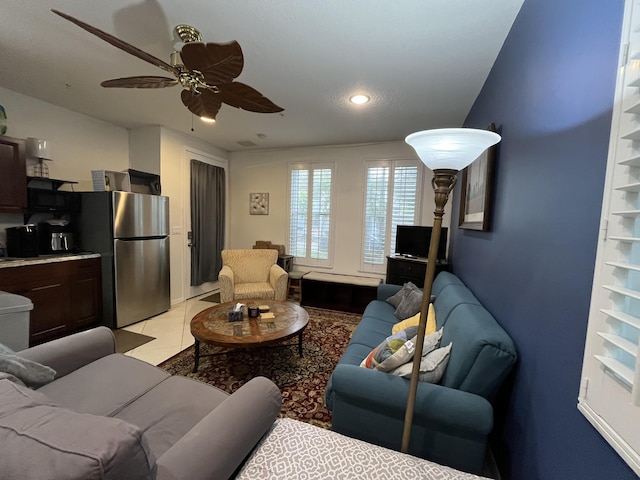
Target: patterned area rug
302,381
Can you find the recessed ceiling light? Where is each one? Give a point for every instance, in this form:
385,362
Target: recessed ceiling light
359,99
208,120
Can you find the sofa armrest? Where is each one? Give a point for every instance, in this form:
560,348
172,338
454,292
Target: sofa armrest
69,353
227,282
385,290
278,278
449,426
219,443
446,407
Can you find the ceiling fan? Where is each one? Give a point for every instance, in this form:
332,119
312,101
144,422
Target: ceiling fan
204,70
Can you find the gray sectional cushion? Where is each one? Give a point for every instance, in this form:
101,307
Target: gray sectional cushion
163,414
43,441
105,386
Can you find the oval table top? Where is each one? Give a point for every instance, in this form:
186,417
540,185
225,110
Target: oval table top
212,325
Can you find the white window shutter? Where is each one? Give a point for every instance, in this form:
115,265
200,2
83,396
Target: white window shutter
310,213
391,199
610,389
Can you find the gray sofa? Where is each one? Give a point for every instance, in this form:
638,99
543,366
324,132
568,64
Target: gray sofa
110,416
453,419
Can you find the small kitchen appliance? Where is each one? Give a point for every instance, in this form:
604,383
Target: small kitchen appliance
22,241
55,236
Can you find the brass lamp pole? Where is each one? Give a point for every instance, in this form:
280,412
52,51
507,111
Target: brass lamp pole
445,151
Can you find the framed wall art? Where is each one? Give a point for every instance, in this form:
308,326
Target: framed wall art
477,191
259,203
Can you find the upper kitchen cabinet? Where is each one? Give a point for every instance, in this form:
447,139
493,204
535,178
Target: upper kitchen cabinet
13,175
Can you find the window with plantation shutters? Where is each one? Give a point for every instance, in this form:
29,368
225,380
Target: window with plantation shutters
610,386
391,199
310,213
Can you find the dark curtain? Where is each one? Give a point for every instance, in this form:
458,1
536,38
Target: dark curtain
207,221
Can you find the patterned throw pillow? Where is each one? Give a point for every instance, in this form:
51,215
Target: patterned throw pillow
394,351
398,349
432,365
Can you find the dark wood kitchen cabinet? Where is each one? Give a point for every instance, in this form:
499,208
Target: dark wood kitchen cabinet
86,293
66,295
13,175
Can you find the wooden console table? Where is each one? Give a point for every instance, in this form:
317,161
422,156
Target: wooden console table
401,270
345,293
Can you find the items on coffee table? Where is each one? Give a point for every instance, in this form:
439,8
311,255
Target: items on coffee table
236,313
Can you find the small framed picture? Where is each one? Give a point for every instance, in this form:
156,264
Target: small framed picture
259,203
477,191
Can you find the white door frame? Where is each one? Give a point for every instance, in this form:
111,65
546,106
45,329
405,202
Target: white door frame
192,153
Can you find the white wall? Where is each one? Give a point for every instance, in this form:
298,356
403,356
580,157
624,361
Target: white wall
175,175
144,149
79,143
267,171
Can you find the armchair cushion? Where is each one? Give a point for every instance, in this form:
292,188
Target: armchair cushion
251,274
250,266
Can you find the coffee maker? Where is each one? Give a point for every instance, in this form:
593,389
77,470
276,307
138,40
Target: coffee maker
55,236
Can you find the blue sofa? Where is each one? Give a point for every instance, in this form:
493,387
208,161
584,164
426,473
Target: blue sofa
452,420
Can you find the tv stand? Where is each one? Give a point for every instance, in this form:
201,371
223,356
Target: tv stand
402,269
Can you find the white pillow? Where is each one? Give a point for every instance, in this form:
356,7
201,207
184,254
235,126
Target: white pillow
432,365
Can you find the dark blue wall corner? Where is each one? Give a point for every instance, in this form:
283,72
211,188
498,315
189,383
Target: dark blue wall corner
550,93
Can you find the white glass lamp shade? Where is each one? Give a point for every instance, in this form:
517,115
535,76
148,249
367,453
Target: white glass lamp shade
38,148
451,148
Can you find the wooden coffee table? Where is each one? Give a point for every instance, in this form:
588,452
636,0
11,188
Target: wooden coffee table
212,326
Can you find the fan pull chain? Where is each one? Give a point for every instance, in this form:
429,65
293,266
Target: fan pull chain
192,123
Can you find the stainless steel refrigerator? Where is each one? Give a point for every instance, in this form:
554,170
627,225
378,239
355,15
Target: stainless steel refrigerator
131,232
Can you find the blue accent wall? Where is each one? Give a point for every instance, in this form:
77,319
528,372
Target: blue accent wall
550,93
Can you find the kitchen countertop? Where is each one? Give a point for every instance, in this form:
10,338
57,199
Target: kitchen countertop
66,257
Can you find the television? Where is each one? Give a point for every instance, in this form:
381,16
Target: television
414,240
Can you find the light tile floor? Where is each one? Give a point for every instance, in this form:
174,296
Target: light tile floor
170,329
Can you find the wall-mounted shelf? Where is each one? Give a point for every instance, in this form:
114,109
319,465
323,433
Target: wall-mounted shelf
46,183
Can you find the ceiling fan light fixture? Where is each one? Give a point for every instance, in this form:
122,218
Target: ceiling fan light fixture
206,72
188,34
208,119
359,99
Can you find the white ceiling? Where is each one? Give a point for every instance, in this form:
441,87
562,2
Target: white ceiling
423,62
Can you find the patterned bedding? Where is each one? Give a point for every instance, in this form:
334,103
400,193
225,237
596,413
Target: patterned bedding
294,449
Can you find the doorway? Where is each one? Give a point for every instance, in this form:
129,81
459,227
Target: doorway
191,154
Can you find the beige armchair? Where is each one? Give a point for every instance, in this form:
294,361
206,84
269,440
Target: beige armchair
251,274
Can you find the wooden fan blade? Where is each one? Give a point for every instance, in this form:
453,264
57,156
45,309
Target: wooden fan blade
140,82
218,62
116,42
203,104
245,97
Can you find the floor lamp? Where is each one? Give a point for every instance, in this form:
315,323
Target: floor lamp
445,151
